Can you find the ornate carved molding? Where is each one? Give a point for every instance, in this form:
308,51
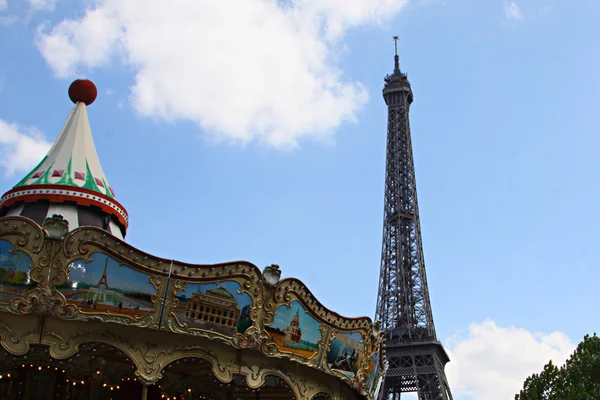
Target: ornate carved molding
53,252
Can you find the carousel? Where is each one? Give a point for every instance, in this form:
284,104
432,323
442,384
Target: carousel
84,315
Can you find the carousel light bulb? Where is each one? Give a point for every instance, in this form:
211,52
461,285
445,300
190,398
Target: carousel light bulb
8,375
189,390
0,376
104,385
117,386
39,368
97,372
82,382
74,383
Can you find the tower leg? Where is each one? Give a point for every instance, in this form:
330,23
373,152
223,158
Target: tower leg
384,391
416,369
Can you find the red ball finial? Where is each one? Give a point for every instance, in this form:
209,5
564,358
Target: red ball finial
83,90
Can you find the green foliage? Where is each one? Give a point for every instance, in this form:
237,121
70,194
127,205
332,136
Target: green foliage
20,278
578,379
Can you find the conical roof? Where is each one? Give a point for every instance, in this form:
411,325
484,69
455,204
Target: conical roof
72,159
71,170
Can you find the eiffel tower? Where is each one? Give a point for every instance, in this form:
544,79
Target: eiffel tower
103,281
416,358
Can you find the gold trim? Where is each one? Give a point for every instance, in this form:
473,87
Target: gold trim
46,317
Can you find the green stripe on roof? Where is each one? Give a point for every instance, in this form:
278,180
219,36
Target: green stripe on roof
66,179
23,182
90,183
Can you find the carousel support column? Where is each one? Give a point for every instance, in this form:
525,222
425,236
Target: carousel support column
95,387
144,392
96,379
10,387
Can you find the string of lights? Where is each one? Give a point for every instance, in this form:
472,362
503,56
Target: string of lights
18,374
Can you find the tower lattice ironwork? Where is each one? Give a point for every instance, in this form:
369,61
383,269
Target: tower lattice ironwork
416,358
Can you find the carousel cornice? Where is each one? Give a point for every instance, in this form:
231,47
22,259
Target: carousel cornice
85,286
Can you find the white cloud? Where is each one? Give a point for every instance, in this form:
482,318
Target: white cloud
268,71
3,5
493,362
42,5
20,148
8,20
512,10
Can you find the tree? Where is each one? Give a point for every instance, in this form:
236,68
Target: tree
20,278
578,379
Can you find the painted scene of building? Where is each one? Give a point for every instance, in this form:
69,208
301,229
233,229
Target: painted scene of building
295,331
14,272
219,307
344,352
104,285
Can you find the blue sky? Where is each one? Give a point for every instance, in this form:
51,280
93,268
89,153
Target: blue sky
266,142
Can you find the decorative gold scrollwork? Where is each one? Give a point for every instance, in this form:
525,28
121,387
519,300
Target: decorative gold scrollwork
52,251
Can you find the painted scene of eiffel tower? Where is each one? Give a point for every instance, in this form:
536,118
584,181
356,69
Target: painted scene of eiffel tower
103,284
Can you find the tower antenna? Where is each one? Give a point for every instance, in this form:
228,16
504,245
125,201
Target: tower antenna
396,58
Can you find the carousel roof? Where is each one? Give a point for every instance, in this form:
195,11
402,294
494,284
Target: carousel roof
72,159
71,171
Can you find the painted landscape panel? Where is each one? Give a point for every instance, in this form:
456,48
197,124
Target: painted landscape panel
218,307
14,272
295,331
344,352
373,373
104,285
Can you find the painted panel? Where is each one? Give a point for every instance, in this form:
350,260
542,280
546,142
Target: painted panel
219,307
344,353
104,285
14,272
373,373
295,331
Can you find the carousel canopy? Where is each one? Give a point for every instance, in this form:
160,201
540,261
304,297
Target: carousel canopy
71,173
